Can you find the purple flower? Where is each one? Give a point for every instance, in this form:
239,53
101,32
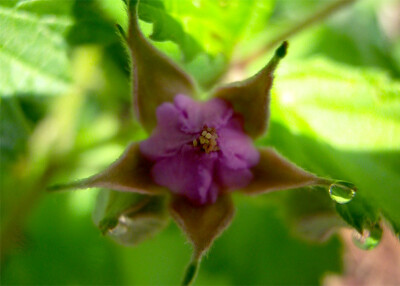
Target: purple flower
200,149
198,152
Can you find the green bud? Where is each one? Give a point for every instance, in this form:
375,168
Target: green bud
130,218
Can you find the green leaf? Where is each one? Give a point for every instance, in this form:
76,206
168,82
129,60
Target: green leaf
375,174
116,11
42,67
359,213
220,24
166,28
362,33
46,7
95,23
349,121
205,32
130,218
349,108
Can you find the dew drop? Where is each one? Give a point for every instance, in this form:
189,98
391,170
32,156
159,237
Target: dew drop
342,192
368,239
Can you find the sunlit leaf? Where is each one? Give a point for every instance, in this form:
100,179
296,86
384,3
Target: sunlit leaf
349,108
211,31
375,174
220,24
165,28
40,68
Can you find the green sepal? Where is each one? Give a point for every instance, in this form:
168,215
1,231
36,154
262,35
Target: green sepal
274,173
155,78
129,173
130,218
251,97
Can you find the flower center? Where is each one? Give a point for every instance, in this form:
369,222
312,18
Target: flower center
207,140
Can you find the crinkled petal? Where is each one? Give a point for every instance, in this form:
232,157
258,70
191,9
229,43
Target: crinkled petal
237,148
167,137
202,224
213,113
188,173
233,179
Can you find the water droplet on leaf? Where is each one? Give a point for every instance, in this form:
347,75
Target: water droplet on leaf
368,239
342,192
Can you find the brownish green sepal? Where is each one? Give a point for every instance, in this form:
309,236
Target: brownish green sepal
130,173
202,224
274,173
251,97
155,78
130,218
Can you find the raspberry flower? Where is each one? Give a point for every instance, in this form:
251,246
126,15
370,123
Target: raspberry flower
200,149
198,152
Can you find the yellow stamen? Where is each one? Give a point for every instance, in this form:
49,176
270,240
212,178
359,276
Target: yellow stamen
207,141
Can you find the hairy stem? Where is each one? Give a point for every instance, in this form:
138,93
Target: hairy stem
320,15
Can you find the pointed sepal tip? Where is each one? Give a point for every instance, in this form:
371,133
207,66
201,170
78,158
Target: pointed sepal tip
282,50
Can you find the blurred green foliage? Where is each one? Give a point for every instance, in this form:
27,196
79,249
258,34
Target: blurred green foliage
65,112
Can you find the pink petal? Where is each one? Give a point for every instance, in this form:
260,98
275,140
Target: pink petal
213,113
167,138
237,148
188,173
233,179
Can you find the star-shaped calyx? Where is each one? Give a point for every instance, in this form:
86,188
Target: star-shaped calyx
198,152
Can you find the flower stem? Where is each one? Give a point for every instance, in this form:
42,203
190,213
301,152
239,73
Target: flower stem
320,15
191,272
